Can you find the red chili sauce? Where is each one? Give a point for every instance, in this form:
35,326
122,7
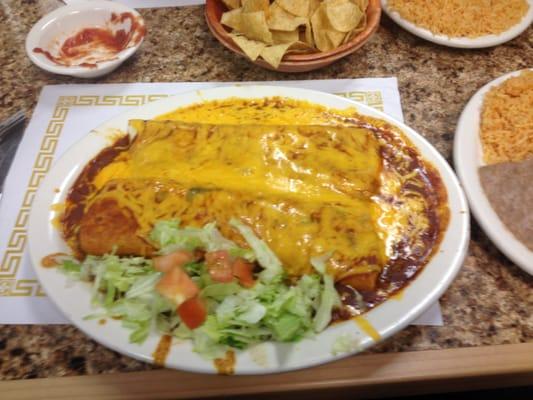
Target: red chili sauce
95,44
83,187
404,263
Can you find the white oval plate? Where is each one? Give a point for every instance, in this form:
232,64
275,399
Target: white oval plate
74,299
468,158
462,42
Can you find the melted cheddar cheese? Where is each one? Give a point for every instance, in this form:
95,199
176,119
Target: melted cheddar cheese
326,164
307,179
294,229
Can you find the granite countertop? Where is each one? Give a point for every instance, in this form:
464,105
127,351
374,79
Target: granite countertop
489,303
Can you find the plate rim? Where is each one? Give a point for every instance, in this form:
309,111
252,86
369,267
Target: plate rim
457,256
482,210
462,42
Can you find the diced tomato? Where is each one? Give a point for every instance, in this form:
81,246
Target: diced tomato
193,312
175,259
219,266
177,286
243,271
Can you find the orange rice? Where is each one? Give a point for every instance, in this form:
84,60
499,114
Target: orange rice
507,120
462,18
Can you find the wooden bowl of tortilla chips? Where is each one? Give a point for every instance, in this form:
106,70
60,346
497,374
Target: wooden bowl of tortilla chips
293,35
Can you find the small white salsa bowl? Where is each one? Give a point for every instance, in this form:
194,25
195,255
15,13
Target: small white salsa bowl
77,29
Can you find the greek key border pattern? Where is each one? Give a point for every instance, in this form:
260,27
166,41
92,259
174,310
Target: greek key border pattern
370,98
12,257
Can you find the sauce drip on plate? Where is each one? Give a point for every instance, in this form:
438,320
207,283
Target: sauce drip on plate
367,327
53,260
225,365
161,352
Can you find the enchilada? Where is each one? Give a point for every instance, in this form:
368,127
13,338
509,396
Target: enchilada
334,182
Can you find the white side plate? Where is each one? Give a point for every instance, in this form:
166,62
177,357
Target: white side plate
387,319
468,158
462,42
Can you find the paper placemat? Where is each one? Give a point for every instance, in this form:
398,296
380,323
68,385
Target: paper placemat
66,113
151,3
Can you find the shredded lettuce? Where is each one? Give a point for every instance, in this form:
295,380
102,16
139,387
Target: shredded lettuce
171,237
195,269
266,257
143,286
71,267
124,288
207,339
345,343
273,309
329,298
219,291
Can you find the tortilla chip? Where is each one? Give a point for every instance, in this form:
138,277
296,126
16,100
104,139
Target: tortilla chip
320,25
354,32
252,48
274,54
300,8
232,19
308,35
313,5
281,20
349,36
300,48
343,15
285,36
273,29
254,26
362,4
335,37
232,4
255,5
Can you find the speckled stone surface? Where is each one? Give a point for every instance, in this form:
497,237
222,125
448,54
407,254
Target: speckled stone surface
490,302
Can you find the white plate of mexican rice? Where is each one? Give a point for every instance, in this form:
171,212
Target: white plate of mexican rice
493,155
468,24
